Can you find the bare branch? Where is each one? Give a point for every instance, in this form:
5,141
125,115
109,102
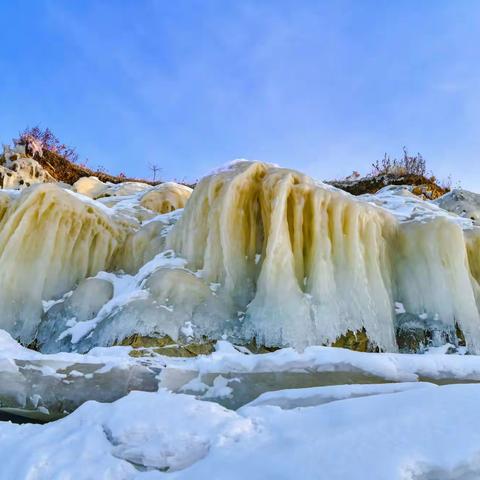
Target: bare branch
155,169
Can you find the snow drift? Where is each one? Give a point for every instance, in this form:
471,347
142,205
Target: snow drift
392,432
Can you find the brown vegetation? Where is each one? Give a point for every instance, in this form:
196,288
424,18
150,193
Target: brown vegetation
407,165
422,186
60,160
66,171
409,170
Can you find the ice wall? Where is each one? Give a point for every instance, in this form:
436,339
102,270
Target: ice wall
259,252
304,261
435,279
307,263
49,240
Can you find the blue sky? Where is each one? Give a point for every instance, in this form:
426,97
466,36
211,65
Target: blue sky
324,87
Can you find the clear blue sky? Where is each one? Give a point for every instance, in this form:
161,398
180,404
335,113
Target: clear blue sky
324,87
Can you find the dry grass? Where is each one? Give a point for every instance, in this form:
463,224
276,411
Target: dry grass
63,170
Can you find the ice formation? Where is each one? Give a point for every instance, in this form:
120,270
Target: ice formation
463,203
94,188
49,240
307,263
258,253
143,244
167,197
304,262
90,186
275,256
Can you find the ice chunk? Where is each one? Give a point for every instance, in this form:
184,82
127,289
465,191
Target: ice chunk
308,397
462,202
166,197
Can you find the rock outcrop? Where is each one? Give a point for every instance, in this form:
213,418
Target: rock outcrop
17,170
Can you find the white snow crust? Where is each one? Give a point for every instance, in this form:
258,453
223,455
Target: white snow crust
412,433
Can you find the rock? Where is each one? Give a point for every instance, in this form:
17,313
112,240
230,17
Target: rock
358,341
415,334
19,171
412,338
147,346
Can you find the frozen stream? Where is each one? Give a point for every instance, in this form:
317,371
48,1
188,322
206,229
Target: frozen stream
39,391
45,389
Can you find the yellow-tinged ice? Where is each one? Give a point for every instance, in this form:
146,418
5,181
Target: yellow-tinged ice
306,261
90,186
272,255
166,197
49,240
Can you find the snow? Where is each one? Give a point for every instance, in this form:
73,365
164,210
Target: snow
77,330
167,218
405,206
227,375
390,366
227,359
11,350
89,201
413,430
415,433
126,289
461,202
307,397
220,388
107,441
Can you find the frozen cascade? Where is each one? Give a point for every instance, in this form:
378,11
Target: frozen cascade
308,262
259,252
49,240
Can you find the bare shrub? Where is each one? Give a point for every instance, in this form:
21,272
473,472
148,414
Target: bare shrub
37,140
447,183
407,165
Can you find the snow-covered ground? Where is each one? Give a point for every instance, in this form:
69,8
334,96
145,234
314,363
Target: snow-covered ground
203,375
407,430
420,431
